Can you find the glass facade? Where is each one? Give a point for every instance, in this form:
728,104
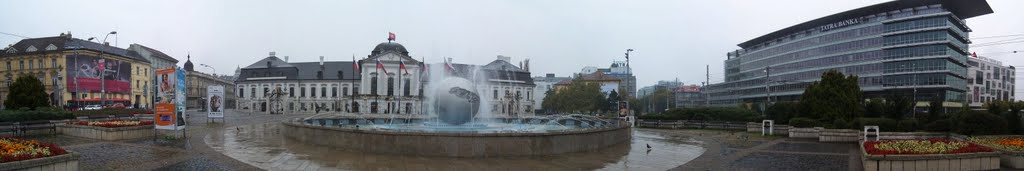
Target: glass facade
920,49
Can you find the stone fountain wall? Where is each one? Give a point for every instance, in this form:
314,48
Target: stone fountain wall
459,144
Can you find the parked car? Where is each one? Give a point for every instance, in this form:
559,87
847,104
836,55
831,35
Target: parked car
92,107
117,106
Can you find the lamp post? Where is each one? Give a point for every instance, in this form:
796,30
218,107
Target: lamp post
211,68
629,83
103,72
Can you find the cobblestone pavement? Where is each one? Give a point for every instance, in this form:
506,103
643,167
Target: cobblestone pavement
189,153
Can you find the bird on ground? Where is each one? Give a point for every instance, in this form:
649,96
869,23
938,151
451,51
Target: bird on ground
648,146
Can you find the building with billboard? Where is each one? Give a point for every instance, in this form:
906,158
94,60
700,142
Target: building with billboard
989,80
78,72
916,48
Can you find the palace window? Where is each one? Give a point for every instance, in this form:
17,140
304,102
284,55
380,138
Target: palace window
373,86
291,91
323,92
334,91
312,91
391,86
241,93
406,88
302,91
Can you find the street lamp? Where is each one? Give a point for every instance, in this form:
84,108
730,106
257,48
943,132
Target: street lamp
629,74
103,73
208,66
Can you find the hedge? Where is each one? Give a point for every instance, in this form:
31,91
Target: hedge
803,122
34,115
111,111
884,124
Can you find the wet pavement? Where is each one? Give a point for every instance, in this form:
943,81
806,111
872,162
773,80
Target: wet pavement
253,142
262,145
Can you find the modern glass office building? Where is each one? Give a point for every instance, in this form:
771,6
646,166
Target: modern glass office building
908,47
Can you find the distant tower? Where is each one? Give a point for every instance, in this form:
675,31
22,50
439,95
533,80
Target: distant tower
188,63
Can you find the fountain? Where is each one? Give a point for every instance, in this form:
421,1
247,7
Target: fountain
458,124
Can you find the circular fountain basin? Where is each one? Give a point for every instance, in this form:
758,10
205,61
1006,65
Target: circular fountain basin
481,138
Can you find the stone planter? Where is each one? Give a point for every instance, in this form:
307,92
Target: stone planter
63,162
95,132
804,132
753,127
964,161
839,135
1012,159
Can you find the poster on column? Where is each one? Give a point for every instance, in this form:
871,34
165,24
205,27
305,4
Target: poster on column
215,101
180,95
166,113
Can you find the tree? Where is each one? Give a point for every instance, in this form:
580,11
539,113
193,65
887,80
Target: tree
26,92
551,101
897,106
578,97
934,109
613,101
997,107
836,96
1013,117
874,108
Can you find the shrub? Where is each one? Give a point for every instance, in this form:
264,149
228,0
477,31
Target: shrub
884,124
944,125
113,111
907,125
782,112
840,124
803,122
979,123
33,115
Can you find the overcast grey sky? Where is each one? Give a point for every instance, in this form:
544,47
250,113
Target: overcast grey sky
672,39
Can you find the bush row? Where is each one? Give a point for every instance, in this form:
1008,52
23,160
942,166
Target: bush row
111,111
41,113
967,123
707,114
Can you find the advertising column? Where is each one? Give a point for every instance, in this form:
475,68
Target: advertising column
215,102
166,112
180,99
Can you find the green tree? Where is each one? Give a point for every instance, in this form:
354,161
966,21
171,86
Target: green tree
578,97
551,101
26,92
836,96
935,109
1013,117
997,107
874,108
613,101
897,106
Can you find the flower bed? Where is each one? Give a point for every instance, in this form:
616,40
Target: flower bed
108,130
931,146
1012,148
931,154
113,123
17,149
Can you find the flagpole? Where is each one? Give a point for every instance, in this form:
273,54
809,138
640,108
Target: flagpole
400,68
355,69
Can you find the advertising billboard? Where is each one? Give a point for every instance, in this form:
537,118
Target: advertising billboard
93,74
168,116
215,101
